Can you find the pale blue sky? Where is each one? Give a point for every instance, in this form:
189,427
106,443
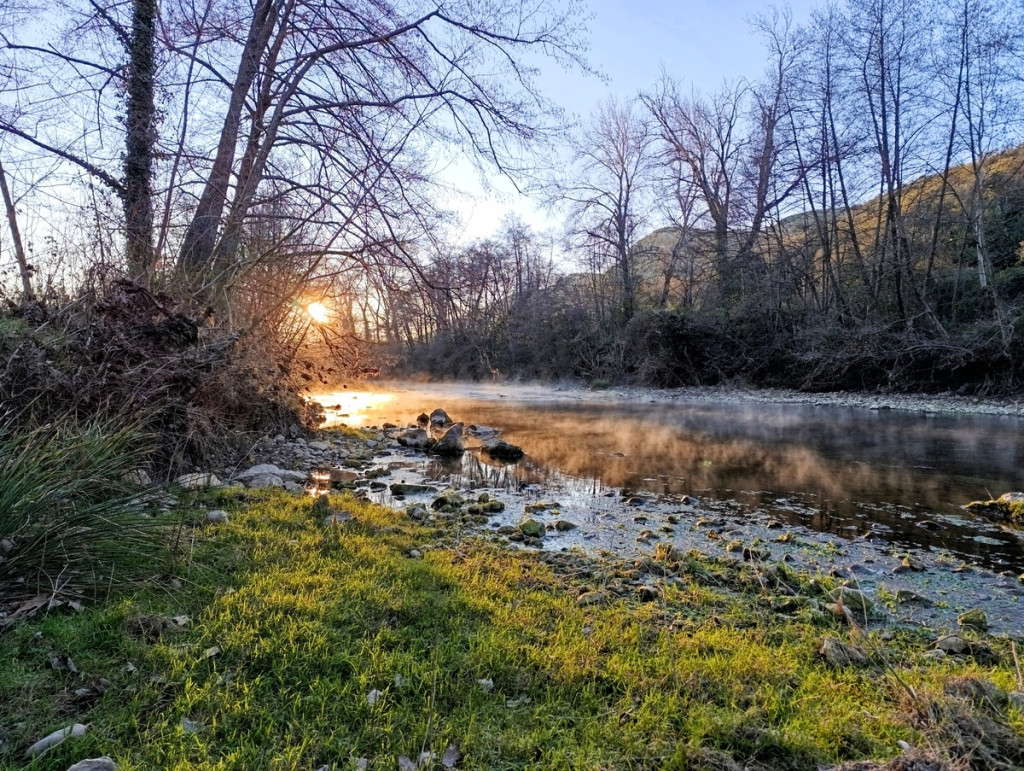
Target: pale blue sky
698,42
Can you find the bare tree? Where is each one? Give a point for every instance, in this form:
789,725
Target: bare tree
609,192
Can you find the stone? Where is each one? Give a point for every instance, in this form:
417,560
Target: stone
138,477
440,418
450,502
342,475
1016,698
480,431
402,489
839,654
6,546
337,518
319,446
270,469
74,731
952,644
934,655
423,418
501,450
853,599
417,512
198,480
975,618
591,598
562,526
647,593
95,764
906,595
451,442
216,517
531,527
265,482
294,488
913,563
416,438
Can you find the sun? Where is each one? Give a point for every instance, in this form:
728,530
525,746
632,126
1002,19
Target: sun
318,312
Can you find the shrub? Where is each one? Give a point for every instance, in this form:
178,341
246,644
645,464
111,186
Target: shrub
69,522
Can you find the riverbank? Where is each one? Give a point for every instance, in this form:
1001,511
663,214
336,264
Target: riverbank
948,404
342,634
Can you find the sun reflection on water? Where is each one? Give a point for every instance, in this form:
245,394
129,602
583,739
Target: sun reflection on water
357,409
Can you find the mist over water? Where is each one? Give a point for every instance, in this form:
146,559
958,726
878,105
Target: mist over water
900,476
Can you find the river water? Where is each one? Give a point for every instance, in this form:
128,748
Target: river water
896,476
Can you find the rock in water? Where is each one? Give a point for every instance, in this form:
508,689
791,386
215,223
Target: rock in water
451,442
532,528
499,449
417,438
974,618
440,418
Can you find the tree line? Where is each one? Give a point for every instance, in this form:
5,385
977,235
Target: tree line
851,219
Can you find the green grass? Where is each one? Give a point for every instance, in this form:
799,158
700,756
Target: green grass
308,620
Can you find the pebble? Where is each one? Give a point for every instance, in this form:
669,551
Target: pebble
216,517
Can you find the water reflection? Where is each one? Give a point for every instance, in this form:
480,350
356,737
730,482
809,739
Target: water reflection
895,475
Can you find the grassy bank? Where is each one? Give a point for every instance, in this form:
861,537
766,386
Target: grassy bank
309,645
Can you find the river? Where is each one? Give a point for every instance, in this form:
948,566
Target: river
895,476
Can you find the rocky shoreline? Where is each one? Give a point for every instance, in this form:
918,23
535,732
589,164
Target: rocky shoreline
916,588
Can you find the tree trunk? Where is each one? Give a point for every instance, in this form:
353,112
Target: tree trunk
201,236
140,138
19,250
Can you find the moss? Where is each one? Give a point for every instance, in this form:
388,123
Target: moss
307,621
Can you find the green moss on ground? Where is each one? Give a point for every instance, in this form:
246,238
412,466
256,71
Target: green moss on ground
293,624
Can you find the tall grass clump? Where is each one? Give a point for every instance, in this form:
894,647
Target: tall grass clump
69,514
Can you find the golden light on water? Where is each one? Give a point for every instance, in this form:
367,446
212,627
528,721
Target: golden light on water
319,312
354,408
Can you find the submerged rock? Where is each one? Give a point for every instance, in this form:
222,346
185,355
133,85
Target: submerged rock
499,449
401,489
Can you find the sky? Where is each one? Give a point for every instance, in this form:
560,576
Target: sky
700,42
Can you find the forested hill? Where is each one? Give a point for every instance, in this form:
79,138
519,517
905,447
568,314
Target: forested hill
922,290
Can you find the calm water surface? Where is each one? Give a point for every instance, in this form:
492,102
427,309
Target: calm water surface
901,476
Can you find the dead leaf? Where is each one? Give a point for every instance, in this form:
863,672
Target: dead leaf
404,764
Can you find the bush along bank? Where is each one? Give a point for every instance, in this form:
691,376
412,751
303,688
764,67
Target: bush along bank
301,632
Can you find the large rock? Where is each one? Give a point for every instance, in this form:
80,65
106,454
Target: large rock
481,431
451,442
499,449
417,438
198,480
265,481
440,418
265,469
